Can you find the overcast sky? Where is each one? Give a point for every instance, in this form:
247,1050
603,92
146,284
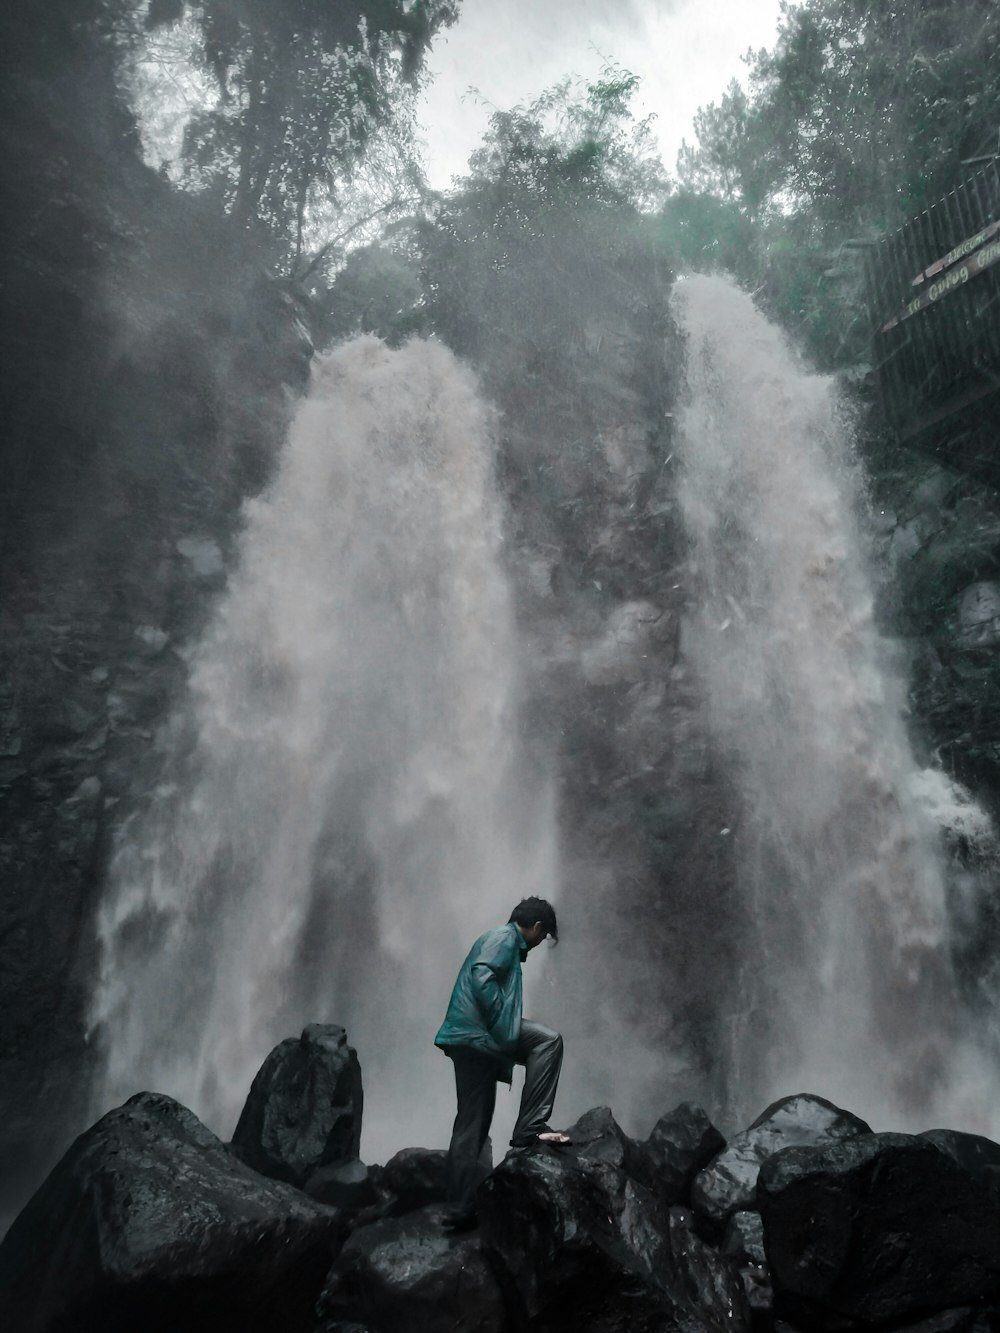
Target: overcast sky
685,52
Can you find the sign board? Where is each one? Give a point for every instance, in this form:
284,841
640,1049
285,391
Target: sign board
955,272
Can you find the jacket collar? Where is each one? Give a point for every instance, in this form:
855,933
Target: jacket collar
522,948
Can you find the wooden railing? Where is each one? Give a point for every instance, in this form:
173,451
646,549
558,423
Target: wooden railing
934,296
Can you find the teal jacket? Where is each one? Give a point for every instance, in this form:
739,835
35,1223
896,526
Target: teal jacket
484,1012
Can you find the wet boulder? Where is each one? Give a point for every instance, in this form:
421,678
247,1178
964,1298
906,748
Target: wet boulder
578,1244
963,1320
150,1222
350,1185
877,1229
406,1273
304,1108
598,1137
979,1155
729,1182
711,1280
417,1177
681,1144
743,1242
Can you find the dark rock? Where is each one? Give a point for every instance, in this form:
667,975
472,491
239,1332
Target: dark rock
599,1137
304,1108
876,1229
416,1176
710,1279
579,1245
150,1222
743,1242
682,1143
744,1237
404,1273
347,1185
971,1151
729,1182
964,1320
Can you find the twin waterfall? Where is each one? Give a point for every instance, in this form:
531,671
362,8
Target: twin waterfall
347,802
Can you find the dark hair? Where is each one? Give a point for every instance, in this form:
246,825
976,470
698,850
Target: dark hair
530,910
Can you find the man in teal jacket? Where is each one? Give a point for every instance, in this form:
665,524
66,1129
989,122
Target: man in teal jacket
485,1035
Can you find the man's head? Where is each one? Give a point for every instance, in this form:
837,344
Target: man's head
535,919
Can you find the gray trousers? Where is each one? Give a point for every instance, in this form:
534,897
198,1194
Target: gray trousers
540,1050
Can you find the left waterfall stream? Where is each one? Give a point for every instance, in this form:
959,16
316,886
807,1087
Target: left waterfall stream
345,801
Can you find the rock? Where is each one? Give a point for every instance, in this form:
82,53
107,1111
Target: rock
203,554
304,1108
743,1242
579,1245
979,615
348,1185
712,1280
404,1273
956,1321
744,1237
729,1182
153,638
416,1176
598,1136
971,1151
627,649
150,1222
878,1228
682,1143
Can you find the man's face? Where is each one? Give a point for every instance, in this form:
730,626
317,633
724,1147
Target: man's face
533,935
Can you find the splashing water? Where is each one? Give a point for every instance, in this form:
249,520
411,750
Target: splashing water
354,806
848,988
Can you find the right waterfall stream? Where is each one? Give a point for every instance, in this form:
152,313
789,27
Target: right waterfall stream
847,987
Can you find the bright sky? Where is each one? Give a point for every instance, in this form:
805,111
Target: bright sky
684,51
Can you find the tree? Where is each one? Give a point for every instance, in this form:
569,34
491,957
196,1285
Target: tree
303,86
863,113
551,208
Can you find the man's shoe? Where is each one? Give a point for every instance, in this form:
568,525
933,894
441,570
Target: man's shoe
549,1138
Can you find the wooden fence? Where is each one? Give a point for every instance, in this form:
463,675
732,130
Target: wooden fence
934,297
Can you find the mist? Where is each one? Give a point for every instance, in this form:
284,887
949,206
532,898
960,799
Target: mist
411,510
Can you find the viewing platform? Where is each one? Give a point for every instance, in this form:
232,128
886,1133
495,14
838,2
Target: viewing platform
933,293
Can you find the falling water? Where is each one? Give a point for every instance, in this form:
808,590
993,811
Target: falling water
353,806
847,989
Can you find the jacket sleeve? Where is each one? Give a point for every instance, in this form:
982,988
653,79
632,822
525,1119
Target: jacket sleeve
497,956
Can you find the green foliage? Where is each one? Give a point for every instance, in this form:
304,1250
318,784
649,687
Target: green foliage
551,209
864,112
542,268
378,291
303,87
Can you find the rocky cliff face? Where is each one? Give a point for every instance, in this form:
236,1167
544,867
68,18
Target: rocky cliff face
145,364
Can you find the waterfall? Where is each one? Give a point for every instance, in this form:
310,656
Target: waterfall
347,803
846,988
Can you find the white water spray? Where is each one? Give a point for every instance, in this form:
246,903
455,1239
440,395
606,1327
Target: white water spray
849,990
355,807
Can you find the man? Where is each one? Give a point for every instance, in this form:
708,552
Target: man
485,1036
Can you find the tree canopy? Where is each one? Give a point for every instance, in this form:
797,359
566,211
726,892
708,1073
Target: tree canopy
862,114
303,86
